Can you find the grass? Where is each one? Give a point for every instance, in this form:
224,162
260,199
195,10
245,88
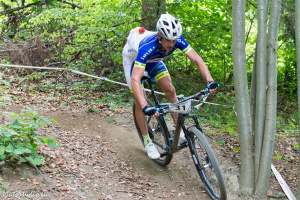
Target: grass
114,101
222,116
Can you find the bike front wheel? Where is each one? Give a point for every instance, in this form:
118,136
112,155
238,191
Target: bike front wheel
159,135
206,164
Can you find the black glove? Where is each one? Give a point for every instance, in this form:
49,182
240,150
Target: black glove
211,85
148,110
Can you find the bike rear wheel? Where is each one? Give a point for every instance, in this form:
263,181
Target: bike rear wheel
159,135
206,164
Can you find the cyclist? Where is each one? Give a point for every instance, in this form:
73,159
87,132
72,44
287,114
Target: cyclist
143,53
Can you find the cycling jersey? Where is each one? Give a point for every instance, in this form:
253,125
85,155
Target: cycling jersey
143,50
149,50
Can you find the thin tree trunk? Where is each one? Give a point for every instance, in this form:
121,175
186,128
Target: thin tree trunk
253,89
242,97
260,98
151,11
297,34
271,106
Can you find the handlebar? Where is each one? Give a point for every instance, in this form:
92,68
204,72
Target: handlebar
184,105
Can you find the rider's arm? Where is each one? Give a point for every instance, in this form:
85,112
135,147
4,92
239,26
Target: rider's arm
196,58
185,47
137,74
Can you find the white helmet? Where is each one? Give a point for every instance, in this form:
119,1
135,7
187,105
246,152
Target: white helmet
169,27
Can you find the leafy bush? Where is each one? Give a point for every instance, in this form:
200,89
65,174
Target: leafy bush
19,140
89,39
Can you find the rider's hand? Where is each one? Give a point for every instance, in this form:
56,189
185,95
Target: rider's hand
148,110
212,86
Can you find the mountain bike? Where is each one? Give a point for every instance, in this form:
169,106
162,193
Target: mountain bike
166,140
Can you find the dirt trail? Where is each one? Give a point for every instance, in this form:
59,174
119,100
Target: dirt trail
99,155
101,158
174,179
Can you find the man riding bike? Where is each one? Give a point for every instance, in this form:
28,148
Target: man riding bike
144,53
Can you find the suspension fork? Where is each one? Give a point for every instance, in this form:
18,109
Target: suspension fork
196,123
179,125
195,119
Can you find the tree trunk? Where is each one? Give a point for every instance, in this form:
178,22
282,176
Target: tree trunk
260,98
297,34
151,11
253,89
242,97
271,106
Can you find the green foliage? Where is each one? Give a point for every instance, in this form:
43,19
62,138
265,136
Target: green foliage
288,126
296,146
222,116
207,26
90,38
287,68
278,155
114,101
19,140
36,76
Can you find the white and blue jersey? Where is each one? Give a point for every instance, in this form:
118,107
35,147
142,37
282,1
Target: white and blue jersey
149,50
143,50
150,55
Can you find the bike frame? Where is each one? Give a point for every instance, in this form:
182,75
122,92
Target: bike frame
179,124
183,108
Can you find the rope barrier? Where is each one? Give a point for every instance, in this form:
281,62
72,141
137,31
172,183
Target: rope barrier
286,189
31,67
75,72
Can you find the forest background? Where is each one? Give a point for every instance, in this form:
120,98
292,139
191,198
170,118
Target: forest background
89,36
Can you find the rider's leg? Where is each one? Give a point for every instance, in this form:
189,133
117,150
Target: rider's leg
150,148
165,85
140,118
128,59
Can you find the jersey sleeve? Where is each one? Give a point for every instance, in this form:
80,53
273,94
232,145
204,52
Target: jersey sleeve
183,45
142,56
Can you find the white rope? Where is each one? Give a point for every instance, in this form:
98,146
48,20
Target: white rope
75,72
31,67
92,76
8,50
108,80
286,189
97,77
216,104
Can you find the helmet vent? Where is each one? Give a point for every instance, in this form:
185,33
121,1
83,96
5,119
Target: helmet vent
173,26
163,30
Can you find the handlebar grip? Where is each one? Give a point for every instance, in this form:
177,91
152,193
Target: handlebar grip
212,85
